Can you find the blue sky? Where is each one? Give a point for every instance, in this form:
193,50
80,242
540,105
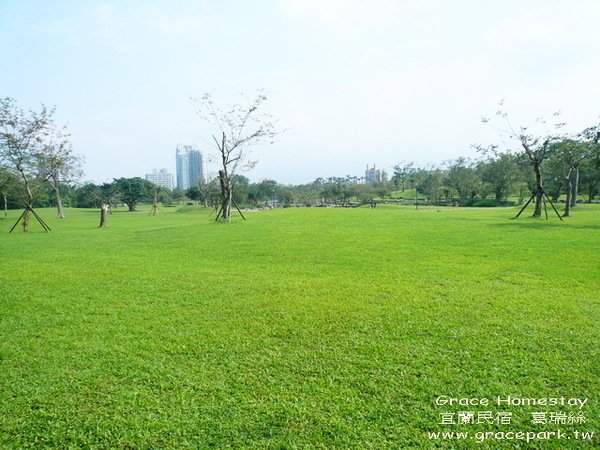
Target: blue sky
353,82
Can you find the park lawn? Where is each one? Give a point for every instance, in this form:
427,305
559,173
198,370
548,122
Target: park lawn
299,328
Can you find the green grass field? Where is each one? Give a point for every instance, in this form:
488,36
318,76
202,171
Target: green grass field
308,328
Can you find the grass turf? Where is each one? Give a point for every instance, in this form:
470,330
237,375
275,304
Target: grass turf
299,328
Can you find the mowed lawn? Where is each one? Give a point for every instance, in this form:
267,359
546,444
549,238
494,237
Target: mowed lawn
301,328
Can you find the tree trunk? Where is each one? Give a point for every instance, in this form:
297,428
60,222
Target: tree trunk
27,215
103,215
539,193
5,205
569,188
226,195
29,202
59,207
575,187
229,200
56,186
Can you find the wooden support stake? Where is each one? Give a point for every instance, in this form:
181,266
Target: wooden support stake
526,205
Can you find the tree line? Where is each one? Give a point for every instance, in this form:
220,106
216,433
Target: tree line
39,168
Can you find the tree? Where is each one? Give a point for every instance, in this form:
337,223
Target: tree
240,126
22,139
402,174
590,176
7,182
193,193
429,184
178,195
107,195
568,155
535,146
591,165
206,190
133,190
60,165
242,188
499,173
463,179
87,196
263,192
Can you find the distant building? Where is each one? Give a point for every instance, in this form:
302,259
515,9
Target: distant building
373,175
161,178
190,166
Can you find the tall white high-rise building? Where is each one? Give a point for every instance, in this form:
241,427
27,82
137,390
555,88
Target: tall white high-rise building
190,166
373,175
161,178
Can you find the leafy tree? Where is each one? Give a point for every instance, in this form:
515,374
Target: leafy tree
133,190
429,184
463,179
590,166
178,195
286,195
499,173
242,188
402,174
60,165
8,181
87,196
193,193
263,192
590,176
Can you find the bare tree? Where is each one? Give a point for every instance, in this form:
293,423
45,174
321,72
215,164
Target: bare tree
534,146
240,126
22,140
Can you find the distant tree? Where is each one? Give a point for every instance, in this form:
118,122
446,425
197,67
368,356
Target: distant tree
402,174
163,195
499,173
568,155
429,184
286,195
8,181
383,188
208,190
133,190
263,192
463,179
240,126
193,193
241,185
60,165
87,196
590,166
178,195
590,176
